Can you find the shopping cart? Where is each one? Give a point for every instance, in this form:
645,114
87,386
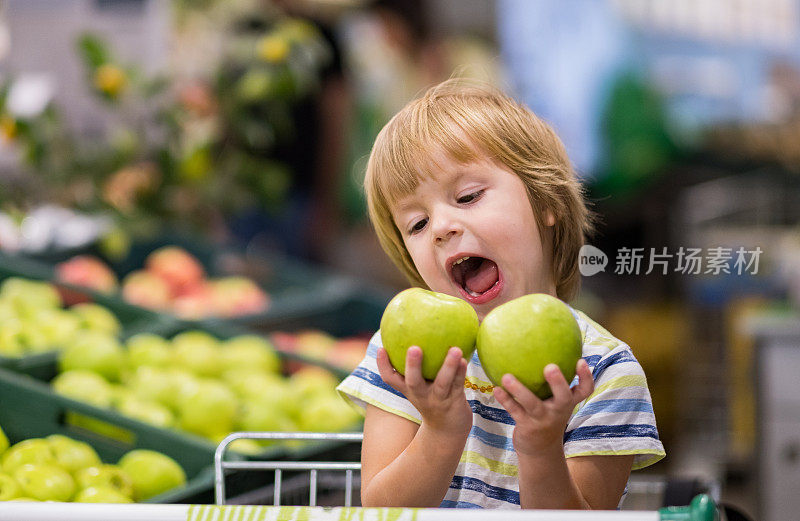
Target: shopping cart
303,483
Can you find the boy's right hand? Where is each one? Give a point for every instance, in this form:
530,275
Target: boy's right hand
442,402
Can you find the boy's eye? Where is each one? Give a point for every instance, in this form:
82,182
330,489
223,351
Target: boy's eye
470,197
419,225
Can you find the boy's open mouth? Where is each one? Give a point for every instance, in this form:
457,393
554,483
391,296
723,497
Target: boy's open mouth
475,275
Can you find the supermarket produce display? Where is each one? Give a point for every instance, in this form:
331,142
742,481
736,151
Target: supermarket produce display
200,384
59,468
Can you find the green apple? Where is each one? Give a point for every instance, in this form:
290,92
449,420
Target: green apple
526,334
265,414
94,351
34,450
433,321
185,384
29,296
248,383
33,335
328,414
58,326
105,475
85,386
9,488
154,384
12,341
310,382
3,441
72,455
152,473
97,318
198,352
209,410
45,482
252,352
147,411
101,495
148,349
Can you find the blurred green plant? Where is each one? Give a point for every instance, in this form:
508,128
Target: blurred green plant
181,151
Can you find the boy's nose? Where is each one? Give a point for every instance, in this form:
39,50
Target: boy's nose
446,229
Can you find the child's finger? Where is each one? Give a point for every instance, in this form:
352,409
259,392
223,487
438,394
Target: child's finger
444,378
387,372
461,376
521,394
509,403
414,378
562,395
585,386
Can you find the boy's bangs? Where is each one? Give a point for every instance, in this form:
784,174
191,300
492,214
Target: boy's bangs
409,155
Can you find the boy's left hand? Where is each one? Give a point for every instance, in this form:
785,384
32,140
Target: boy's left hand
541,423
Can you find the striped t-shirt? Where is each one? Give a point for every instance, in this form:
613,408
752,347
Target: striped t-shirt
617,419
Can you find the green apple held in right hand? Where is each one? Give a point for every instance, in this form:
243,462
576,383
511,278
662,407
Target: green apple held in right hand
152,473
526,334
433,321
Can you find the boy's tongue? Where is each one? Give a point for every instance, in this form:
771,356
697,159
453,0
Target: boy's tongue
479,274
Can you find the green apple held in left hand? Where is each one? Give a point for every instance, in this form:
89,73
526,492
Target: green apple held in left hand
526,334
152,473
433,321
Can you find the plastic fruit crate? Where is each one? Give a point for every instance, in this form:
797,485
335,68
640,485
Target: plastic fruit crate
133,319
28,409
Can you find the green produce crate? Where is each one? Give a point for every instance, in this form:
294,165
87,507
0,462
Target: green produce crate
180,445
28,409
133,318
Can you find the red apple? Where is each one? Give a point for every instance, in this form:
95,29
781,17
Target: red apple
237,296
87,271
146,289
176,266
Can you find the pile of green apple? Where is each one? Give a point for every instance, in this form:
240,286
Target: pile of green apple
59,468
34,320
519,337
199,384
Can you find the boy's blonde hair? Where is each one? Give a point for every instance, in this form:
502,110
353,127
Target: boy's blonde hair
466,121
